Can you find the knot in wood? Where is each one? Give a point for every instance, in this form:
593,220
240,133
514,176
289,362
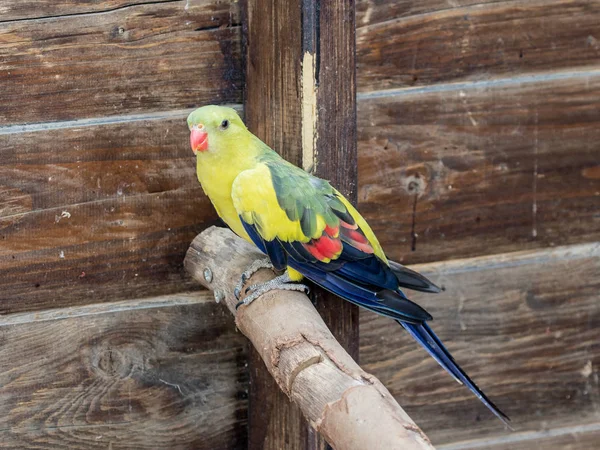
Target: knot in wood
111,363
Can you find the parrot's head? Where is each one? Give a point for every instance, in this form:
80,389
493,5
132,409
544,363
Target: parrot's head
213,128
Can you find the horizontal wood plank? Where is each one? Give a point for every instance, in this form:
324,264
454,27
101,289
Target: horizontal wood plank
440,44
97,213
523,325
35,9
163,373
149,57
371,12
481,168
577,437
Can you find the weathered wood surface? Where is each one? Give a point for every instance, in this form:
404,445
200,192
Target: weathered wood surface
577,437
154,374
151,57
35,9
349,407
481,169
523,325
97,213
438,42
300,99
370,12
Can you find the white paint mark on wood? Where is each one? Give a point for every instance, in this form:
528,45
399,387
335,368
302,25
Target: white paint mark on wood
173,385
535,177
309,112
587,369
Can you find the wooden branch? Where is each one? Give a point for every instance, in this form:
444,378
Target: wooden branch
349,407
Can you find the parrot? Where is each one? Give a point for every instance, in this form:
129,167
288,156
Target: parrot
307,230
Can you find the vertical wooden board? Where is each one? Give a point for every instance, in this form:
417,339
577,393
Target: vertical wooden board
335,157
273,55
523,325
162,373
97,213
301,101
481,169
479,41
150,57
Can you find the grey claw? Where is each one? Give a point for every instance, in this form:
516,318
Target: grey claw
237,293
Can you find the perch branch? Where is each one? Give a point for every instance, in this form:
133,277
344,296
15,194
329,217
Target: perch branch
348,406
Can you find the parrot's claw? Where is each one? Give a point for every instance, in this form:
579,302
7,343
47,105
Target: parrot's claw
264,263
282,282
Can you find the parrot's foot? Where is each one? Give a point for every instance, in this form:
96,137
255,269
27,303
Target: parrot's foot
282,282
264,263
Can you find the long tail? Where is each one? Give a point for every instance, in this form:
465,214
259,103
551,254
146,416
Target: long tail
411,316
425,336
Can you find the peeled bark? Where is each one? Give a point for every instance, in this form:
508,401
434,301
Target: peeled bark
349,407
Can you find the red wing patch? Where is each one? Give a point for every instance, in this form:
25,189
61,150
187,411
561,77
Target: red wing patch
329,246
355,237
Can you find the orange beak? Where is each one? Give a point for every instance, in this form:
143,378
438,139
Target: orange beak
198,139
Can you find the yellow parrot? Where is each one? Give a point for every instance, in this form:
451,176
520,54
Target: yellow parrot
307,229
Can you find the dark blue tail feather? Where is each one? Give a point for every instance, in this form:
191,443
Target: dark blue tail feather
425,336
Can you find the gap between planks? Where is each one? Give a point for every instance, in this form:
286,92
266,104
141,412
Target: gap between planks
512,259
396,92
165,301
481,263
483,84
107,120
522,437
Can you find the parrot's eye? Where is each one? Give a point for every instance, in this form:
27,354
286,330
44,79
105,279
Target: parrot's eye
224,124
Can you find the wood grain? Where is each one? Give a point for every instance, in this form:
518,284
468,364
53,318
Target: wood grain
97,213
370,12
481,169
273,57
300,99
523,325
474,42
149,57
162,373
35,9
577,437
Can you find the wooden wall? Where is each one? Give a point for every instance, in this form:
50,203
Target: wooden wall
479,150
98,204
479,160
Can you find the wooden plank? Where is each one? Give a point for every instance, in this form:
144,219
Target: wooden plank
481,168
523,325
35,9
300,99
152,57
273,64
371,12
473,42
577,437
125,191
162,373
